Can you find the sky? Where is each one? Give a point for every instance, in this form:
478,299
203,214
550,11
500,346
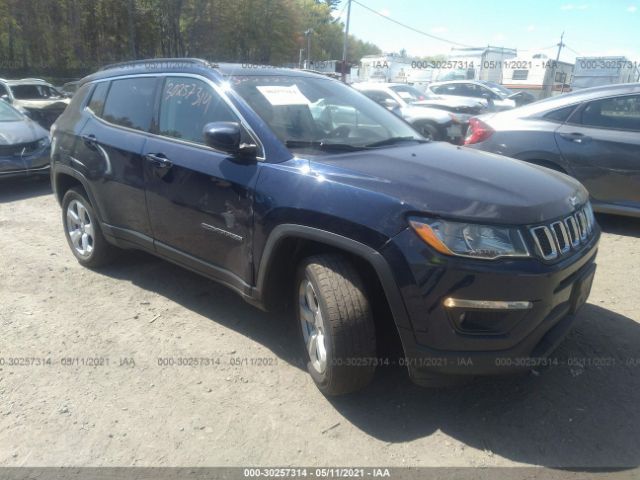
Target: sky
591,27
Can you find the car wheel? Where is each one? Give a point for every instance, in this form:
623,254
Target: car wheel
82,229
336,323
429,132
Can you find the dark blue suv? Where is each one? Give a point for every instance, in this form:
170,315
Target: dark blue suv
292,188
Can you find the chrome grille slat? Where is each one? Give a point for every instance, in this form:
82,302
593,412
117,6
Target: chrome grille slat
560,237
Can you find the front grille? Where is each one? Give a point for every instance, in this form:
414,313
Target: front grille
18,149
559,238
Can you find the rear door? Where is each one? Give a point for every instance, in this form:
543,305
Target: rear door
109,154
200,200
601,142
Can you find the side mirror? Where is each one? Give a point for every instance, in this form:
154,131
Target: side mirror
5,98
389,103
226,136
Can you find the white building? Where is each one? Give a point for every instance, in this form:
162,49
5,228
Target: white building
485,63
596,71
532,74
393,68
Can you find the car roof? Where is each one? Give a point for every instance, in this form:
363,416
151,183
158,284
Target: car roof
193,65
27,81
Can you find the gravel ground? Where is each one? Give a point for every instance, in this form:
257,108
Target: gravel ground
254,404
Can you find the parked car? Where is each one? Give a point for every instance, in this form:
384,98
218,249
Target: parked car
591,134
359,223
24,145
38,99
496,97
69,88
402,99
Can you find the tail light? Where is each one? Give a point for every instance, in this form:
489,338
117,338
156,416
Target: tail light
478,132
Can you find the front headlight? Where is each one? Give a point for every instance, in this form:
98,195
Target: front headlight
43,142
470,240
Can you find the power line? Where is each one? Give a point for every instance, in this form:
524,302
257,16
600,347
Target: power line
574,51
435,37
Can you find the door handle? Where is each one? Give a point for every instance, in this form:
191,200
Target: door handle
158,160
575,137
89,140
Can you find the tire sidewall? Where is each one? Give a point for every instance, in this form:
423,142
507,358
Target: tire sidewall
98,244
321,379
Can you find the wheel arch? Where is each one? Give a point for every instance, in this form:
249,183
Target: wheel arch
64,178
289,243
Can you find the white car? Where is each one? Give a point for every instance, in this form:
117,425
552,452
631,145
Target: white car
404,100
496,96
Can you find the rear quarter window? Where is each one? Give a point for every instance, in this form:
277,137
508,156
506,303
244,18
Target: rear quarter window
130,103
99,95
560,115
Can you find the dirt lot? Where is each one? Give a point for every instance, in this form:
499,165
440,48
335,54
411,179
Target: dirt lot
255,405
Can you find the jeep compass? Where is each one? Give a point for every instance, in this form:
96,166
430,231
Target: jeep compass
294,189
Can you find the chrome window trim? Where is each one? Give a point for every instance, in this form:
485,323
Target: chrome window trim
216,88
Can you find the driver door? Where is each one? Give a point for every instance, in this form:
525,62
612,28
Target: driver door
199,199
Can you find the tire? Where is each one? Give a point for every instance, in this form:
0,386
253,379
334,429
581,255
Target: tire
332,305
82,230
430,132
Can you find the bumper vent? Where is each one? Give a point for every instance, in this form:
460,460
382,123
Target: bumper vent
559,238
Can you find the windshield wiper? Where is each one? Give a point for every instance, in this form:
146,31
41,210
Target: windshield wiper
322,145
394,141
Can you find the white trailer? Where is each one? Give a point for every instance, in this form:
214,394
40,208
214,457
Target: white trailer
484,63
533,75
596,71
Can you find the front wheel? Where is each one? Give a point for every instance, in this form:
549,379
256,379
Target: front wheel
337,324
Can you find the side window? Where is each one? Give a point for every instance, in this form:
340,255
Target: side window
561,114
520,75
96,104
621,113
187,105
130,103
377,96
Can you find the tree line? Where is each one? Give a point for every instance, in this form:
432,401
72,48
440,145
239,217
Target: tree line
70,38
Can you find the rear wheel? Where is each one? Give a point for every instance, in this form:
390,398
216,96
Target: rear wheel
82,230
336,323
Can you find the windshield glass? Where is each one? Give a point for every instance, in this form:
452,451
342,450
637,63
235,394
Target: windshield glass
499,89
321,115
408,94
8,113
34,92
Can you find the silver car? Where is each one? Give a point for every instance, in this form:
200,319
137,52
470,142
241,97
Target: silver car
592,135
24,145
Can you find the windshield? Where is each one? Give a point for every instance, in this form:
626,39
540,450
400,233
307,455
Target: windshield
499,89
8,113
408,94
320,114
35,92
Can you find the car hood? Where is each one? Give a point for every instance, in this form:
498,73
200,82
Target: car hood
444,180
58,104
454,102
24,131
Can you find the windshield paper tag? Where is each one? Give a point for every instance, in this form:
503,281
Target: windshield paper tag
283,95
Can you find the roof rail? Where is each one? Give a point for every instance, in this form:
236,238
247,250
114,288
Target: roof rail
31,80
158,61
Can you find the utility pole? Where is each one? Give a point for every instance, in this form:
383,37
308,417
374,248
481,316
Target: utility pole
308,35
300,58
344,46
554,68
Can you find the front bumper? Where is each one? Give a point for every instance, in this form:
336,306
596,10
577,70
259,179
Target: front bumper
458,338
37,163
